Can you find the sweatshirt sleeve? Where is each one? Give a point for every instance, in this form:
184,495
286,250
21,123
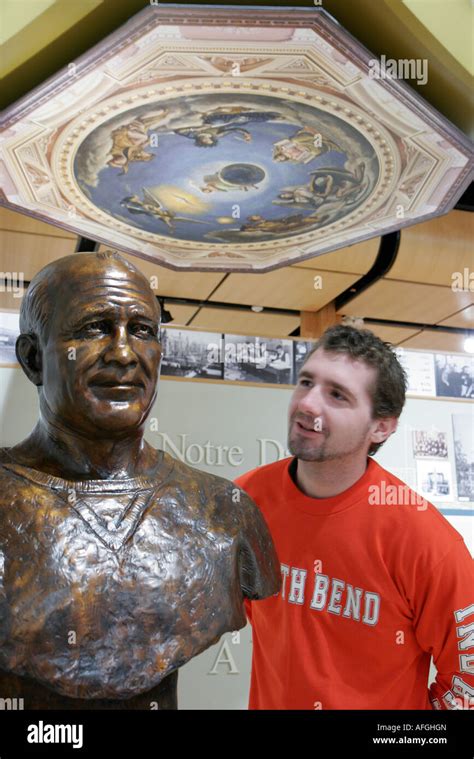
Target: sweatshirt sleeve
444,627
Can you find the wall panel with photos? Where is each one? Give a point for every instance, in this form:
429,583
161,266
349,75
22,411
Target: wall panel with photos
215,356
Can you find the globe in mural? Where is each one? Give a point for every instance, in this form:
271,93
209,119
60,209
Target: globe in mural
224,168
238,175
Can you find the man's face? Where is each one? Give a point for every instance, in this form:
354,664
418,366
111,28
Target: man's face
330,412
101,359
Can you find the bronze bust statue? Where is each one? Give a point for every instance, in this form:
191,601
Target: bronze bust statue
118,563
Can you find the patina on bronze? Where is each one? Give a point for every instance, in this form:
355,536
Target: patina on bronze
118,563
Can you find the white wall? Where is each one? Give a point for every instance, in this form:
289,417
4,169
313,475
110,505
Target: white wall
193,414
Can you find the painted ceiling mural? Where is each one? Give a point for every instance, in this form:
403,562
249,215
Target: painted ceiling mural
216,159
233,146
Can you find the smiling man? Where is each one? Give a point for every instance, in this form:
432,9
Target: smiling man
117,563
373,584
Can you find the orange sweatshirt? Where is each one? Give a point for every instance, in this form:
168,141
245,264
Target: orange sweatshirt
374,581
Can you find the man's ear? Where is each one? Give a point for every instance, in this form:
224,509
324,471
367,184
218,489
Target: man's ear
28,353
383,428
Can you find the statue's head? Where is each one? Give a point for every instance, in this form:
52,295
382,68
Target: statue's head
89,341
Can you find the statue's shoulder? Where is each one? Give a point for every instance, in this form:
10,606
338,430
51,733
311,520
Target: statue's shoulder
195,478
9,472
226,506
5,458
224,494
7,478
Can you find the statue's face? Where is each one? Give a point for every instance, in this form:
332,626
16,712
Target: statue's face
102,356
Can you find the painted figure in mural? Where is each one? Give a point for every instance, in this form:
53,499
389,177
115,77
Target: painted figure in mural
238,114
333,184
129,141
304,146
283,225
300,195
151,206
326,185
118,563
208,136
223,121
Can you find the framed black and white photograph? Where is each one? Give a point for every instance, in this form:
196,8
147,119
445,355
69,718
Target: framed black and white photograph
434,480
9,331
454,375
420,371
301,349
192,354
258,359
430,444
464,455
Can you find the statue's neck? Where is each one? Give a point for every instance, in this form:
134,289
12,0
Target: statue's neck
65,454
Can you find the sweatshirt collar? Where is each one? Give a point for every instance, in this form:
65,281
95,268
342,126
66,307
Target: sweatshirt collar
359,491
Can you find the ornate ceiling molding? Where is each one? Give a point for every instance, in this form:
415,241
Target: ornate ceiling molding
229,139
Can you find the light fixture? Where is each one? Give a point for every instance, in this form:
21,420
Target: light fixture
353,321
469,344
257,309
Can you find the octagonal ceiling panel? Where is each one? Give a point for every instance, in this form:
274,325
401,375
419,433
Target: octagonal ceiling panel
229,139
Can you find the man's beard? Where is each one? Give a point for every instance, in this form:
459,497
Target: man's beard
306,450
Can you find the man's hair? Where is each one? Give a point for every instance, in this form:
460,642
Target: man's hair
38,303
390,385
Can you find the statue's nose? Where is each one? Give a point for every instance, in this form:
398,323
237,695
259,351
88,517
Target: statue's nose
119,348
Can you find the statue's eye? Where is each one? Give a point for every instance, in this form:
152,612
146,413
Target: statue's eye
95,327
143,329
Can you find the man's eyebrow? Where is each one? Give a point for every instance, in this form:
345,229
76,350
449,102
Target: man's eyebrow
343,388
305,374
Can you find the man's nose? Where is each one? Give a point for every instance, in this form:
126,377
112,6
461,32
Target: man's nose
311,403
119,348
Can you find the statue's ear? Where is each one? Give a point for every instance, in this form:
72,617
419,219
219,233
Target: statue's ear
28,353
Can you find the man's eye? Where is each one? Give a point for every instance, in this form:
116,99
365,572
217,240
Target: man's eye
338,395
304,382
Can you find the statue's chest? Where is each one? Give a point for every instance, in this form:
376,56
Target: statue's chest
117,557
102,596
